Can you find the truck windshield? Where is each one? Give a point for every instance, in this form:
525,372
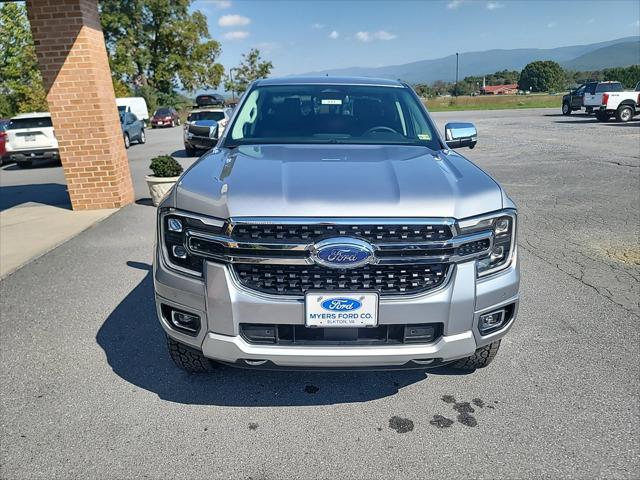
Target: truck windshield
346,114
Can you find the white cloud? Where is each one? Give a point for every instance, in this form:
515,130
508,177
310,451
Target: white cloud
551,25
267,47
334,35
379,35
317,26
453,4
221,4
236,35
384,35
233,21
494,5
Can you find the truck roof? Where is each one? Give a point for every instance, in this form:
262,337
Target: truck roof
329,80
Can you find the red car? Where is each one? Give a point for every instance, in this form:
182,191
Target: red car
165,117
3,140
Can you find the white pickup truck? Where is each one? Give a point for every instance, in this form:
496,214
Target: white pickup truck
610,98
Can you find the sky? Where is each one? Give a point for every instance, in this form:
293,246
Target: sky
307,35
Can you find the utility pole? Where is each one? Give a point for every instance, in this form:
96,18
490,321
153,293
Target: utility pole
456,91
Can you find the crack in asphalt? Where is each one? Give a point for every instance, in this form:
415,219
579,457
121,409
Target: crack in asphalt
581,279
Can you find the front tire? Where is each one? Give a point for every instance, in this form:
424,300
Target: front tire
187,358
566,109
624,113
173,123
483,357
143,137
127,141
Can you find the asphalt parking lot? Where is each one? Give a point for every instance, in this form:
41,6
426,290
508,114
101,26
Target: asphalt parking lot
88,390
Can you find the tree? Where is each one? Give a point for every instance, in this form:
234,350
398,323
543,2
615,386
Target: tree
160,43
628,76
542,76
21,89
422,90
251,68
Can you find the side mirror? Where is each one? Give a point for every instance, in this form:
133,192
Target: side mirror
459,135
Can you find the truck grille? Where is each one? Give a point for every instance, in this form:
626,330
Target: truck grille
310,233
297,279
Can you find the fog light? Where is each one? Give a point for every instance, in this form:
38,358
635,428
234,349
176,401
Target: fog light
175,225
179,251
491,321
185,321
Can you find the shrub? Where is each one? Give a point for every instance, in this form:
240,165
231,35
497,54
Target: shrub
165,166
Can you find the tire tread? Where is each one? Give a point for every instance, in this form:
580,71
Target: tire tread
187,358
482,357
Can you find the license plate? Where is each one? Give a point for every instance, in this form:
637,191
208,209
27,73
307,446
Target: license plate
337,309
30,138
160,123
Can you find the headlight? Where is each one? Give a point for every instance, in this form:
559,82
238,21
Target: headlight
504,227
174,229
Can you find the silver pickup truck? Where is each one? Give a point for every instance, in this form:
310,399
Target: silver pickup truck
333,227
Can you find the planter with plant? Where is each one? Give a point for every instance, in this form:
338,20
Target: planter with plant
166,171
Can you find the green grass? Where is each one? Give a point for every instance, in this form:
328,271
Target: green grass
492,102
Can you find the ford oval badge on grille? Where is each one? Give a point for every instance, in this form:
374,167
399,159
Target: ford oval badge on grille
341,304
342,253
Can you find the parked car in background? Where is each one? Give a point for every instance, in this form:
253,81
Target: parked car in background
3,138
210,99
165,117
573,101
135,105
623,104
132,129
30,139
334,227
203,128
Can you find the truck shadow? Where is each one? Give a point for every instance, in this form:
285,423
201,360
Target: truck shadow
134,345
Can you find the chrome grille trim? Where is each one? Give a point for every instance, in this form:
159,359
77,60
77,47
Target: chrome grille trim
299,253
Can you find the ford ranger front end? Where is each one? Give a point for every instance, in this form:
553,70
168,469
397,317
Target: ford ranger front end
332,227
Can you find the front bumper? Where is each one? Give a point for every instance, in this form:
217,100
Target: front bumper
200,143
223,305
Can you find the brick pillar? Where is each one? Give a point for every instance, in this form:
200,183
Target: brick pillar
73,61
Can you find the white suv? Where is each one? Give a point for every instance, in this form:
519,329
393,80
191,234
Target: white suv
30,138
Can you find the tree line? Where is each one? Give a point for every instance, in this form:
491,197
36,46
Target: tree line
158,50
535,77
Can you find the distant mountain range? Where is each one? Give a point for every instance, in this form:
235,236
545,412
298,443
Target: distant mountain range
596,56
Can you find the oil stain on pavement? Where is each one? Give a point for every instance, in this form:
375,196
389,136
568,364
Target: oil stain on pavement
464,410
401,425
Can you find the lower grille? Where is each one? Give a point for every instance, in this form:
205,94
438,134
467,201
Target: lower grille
297,279
265,334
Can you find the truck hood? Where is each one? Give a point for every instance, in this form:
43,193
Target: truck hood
335,181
